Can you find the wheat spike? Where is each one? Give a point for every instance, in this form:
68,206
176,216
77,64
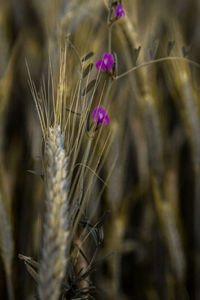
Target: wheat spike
53,261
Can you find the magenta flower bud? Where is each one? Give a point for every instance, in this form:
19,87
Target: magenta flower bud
106,63
100,116
119,11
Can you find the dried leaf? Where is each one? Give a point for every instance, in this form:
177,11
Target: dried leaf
90,54
87,70
89,87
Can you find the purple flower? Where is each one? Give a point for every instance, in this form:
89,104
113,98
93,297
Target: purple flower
100,65
100,116
119,12
106,63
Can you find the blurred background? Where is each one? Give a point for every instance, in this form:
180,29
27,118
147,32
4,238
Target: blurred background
153,192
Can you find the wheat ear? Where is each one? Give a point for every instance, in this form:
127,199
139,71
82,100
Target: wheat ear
55,241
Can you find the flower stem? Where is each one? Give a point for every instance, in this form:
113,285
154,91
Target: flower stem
84,163
109,38
157,61
109,24
110,82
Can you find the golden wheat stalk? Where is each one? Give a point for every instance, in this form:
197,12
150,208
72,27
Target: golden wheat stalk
55,241
6,245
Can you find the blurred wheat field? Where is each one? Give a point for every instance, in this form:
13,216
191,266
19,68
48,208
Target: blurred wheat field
99,211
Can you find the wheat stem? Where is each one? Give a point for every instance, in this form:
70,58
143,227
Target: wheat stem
6,243
153,61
